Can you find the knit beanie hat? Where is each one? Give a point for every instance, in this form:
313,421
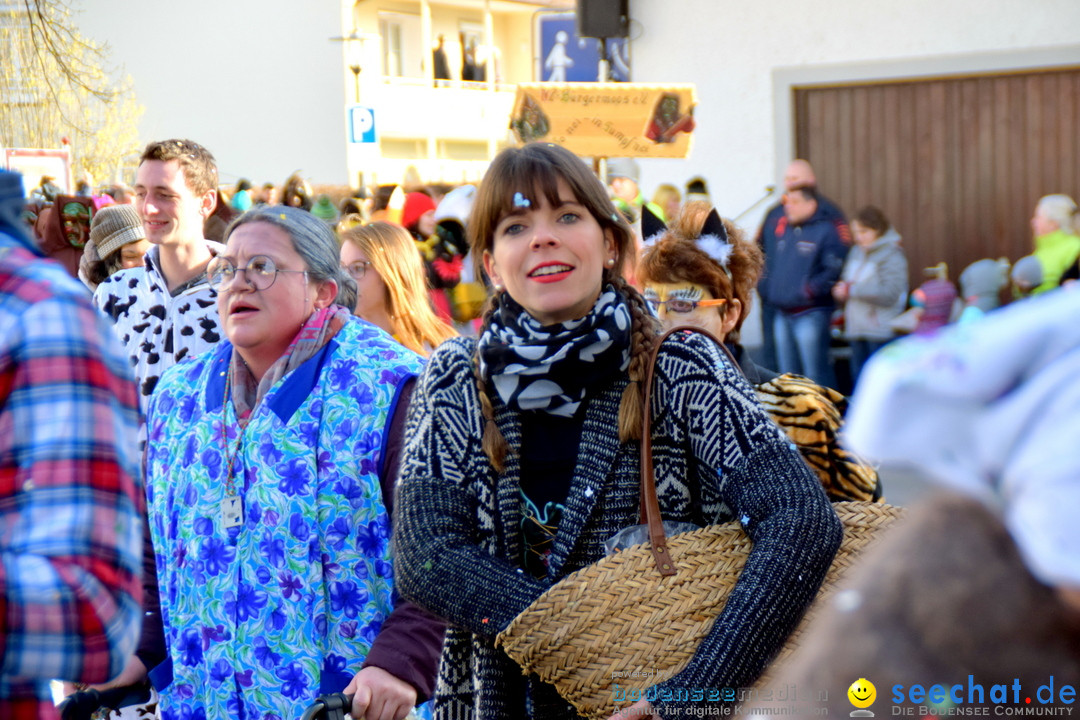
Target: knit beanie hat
1027,273
982,280
11,205
115,226
416,204
324,209
624,168
456,204
697,190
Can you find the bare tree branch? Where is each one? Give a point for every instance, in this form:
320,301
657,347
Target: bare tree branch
55,88
50,37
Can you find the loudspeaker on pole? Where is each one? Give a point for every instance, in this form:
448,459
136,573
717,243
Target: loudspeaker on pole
603,18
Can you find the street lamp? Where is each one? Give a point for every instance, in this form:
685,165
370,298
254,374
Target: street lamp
354,55
354,60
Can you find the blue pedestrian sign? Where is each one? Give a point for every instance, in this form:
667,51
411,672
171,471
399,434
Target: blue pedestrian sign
361,124
565,57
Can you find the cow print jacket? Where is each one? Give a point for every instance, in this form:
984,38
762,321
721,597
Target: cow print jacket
158,328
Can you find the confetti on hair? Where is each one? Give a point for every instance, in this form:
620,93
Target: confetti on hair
520,201
282,216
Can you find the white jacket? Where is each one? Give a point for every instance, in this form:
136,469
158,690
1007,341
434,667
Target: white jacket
877,290
990,408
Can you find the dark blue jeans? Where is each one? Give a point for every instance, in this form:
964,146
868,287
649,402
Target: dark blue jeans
861,350
802,344
768,337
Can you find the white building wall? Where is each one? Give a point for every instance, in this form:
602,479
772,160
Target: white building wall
258,83
744,56
262,86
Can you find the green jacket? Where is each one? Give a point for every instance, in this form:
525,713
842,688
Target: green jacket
1057,251
635,208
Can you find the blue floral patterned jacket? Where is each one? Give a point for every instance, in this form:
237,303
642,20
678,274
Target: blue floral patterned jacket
261,618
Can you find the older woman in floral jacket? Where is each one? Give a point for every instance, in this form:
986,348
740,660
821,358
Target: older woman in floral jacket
269,490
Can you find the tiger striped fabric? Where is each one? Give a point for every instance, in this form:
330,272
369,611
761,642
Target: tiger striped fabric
811,415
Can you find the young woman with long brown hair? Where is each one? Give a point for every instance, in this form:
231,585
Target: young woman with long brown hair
522,450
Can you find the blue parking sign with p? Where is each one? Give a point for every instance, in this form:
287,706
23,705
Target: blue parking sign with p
361,124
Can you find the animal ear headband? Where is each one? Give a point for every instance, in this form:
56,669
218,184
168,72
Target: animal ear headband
713,240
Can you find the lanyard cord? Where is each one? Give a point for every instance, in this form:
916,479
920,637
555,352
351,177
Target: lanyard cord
230,458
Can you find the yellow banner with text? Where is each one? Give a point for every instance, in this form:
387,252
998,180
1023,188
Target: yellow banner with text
607,119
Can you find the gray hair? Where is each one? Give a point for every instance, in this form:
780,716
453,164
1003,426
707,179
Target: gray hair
1059,209
312,239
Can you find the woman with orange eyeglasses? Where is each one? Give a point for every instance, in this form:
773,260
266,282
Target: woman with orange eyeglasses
701,271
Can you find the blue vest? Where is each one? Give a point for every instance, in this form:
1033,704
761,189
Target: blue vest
266,615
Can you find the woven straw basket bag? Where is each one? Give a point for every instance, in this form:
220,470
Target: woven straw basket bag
647,608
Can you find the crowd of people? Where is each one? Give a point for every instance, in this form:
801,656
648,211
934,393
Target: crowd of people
354,477
822,274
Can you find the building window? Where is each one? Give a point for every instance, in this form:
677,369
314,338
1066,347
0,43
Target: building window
403,148
463,150
391,37
474,51
401,56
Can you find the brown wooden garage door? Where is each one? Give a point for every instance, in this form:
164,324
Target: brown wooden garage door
957,163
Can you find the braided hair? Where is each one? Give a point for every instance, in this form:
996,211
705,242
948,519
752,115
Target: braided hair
534,171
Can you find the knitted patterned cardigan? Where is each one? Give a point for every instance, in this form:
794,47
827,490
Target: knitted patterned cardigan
717,456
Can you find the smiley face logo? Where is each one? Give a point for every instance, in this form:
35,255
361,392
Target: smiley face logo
862,693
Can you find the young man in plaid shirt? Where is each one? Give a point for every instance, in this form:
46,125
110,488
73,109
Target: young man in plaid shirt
71,501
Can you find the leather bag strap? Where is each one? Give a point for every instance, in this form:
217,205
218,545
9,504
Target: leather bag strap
650,506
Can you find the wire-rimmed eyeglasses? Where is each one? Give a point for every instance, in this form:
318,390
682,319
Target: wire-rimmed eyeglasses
681,306
261,272
357,268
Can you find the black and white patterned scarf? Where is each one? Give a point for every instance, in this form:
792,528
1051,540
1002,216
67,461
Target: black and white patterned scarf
549,367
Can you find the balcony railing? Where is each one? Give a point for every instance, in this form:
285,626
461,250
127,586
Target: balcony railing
445,109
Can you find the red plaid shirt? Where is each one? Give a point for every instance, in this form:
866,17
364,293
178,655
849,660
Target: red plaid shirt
71,501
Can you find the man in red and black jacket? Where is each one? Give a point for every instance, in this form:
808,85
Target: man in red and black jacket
799,174
806,262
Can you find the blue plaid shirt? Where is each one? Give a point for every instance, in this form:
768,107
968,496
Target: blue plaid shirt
71,499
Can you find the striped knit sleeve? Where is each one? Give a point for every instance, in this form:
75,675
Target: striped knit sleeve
70,551
439,562
764,482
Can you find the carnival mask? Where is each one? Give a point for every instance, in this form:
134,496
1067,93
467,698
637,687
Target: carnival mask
76,218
